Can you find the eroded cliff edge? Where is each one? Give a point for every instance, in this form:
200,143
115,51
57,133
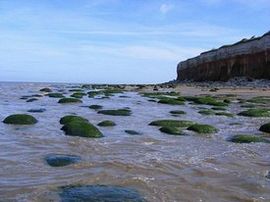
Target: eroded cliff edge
248,57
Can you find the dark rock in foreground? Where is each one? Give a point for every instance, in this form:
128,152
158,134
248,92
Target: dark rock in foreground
58,160
100,193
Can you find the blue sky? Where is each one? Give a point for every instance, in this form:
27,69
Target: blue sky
117,41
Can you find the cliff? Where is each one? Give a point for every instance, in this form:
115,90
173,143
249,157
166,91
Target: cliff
248,57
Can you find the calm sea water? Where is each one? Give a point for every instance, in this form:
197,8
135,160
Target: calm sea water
161,167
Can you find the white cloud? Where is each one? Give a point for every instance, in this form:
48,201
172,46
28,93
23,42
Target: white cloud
165,8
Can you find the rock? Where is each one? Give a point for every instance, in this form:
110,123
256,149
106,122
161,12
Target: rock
207,100
37,110
177,112
171,130
69,118
31,100
78,95
256,113
47,90
172,123
116,112
55,95
132,132
81,129
224,114
206,112
247,139
265,128
106,123
218,108
20,119
59,160
202,128
96,107
171,101
99,193
69,100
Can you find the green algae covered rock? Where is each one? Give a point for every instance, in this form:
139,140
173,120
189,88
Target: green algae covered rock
96,107
69,100
171,130
248,139
20,119
106,123
172,123
224,114
171,101
69,118
59,160
256,113
99,193
116,112
55,95
207,112
81,129
265,128
207,100
218,108
79,126
78,95
202,128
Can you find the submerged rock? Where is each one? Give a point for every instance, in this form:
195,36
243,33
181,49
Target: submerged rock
37,110
116,112
247,139
177,112
69,100
202,128
96,107
59,160
20,119
106,123
32,100
47,90
99,193
132,132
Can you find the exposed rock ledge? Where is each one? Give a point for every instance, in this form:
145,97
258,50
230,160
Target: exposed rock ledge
248,57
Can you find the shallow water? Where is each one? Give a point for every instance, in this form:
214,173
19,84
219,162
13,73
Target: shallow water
161,167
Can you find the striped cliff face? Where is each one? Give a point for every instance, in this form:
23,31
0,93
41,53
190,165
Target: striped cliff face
250,58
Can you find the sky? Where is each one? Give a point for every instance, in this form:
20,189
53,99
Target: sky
118,41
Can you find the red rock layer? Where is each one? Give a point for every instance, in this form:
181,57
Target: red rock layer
255,65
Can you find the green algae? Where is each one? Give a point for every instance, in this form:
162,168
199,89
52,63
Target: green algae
106,123
20,119
69,100
202,128
116,112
